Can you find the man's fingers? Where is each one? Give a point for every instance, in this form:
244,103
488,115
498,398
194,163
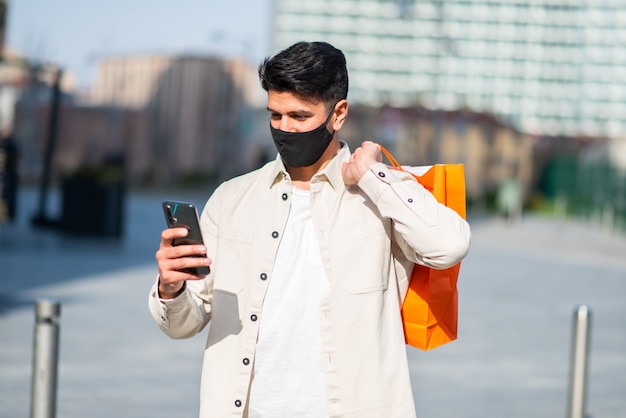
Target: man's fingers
167,254
170,270
373,149
349,174
169,234
361,160
178,251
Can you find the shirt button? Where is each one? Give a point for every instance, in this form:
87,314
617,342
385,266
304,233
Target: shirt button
274,234
238,403
263,276
381,174
246,361
410,200
253,317
285,196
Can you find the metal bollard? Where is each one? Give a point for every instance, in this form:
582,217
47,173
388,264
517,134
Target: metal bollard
45,360
579,367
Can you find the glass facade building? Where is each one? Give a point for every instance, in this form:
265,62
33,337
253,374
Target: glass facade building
548,67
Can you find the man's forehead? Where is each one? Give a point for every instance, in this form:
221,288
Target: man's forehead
289,101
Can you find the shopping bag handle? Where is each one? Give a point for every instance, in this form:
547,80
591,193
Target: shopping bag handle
391,158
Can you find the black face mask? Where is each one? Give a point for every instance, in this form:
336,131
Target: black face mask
302,149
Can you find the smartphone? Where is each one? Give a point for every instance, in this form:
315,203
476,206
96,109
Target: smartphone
185,215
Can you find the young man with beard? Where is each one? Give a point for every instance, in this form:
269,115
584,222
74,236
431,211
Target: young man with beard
310,258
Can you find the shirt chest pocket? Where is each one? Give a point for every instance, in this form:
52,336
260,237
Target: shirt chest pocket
234,250
363,262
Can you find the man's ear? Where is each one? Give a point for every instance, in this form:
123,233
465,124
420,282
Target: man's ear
340,113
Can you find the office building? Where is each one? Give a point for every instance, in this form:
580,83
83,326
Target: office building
553,67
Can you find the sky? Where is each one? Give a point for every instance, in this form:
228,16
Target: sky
75,34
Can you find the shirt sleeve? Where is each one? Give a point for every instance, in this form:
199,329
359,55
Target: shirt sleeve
189,313
181,317
428,232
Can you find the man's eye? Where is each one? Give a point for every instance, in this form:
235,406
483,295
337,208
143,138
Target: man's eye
275,116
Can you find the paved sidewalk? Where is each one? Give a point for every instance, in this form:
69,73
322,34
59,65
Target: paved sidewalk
518,290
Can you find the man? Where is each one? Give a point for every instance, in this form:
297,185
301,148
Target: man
310,257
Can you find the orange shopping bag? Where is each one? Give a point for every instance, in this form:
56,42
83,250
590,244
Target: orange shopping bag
430,309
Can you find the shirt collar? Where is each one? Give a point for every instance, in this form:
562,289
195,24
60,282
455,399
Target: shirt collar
279,172
332,172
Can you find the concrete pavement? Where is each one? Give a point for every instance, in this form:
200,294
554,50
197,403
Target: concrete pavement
518,290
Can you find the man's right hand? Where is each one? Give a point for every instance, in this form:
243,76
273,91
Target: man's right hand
171,259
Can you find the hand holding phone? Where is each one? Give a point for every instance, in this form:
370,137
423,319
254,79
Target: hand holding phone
185,215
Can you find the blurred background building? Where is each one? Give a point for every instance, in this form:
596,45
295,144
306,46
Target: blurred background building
531,94
167,116
525,88
548,67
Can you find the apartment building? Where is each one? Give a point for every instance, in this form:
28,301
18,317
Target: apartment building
548,67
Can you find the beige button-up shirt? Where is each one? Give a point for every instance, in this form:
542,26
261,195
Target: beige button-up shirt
369,237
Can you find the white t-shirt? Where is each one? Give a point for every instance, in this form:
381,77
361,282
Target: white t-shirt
288,373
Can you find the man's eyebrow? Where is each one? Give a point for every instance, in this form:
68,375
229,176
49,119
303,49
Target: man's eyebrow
300,112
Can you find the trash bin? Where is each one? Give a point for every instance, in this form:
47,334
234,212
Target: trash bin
93,203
